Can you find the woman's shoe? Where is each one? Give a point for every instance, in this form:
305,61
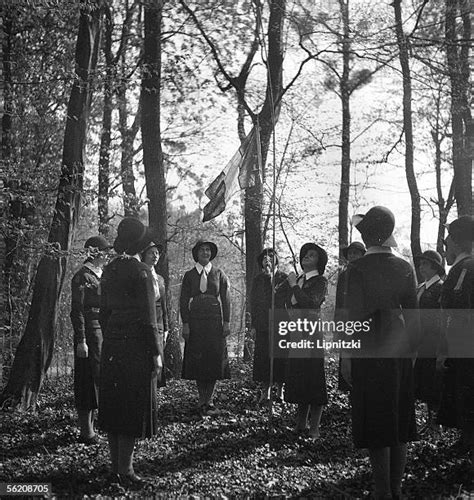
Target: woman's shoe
131,479
89,441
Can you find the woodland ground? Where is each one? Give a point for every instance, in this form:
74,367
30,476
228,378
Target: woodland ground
231,455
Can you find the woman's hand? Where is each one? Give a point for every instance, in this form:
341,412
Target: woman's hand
441,363
82,351
165,335
292,279
157,366
346,370
226,329
185,332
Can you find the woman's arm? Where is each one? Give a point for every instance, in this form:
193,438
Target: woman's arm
185,297
311,297
224,293
77,307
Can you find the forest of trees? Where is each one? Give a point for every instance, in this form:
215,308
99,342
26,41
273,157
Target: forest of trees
132,107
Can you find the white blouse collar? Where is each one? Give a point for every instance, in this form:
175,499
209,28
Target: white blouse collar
200,267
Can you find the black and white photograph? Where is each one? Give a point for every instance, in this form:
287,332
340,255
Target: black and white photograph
236,249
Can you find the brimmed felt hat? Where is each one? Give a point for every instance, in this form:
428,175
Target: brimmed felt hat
152,244
433,258
199,244
462,229
132,236
322,255
355,245
98,242
377,226
270,252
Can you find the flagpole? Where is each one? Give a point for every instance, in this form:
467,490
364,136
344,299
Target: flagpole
271,331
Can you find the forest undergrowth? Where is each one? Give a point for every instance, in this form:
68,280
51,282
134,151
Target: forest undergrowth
240,452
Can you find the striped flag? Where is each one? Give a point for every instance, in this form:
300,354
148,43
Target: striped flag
244,166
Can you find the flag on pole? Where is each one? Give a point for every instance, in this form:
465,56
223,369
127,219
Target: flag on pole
245,166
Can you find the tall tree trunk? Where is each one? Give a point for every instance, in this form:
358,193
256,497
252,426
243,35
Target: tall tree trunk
267,119
408,130
130,200
105,140
150,122
346,129
153,155
457,52
35,349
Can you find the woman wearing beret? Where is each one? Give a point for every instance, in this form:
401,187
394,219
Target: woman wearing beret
381,291
132,353
305,382
428,380
150,256
205,312
260,305
85,303
354,251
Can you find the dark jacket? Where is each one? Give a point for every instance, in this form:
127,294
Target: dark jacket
128,399
382,290
457,301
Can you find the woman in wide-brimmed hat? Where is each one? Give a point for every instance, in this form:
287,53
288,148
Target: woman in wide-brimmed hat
132,355
260,305
205,312
428,380
85,303
381,291
305,381
151,256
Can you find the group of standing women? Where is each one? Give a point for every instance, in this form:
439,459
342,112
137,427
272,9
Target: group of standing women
129,307
120,321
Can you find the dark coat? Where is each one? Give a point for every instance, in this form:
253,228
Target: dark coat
260,307
339,315
85,302
305,380
457,301
205,352
381,288
128,390
428,383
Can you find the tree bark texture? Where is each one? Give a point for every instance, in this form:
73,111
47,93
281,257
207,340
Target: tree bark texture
457,52
130,200
402,42
105,139
35,349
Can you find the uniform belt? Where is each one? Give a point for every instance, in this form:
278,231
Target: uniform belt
202,296
93,309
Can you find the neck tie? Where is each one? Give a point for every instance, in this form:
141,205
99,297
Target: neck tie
203,283
421,290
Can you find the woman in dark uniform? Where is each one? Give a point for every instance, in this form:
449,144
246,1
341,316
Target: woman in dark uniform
457,302
354,251
305,382
260,305
132,352
205,312
87,335
151,256
382,292
428,380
